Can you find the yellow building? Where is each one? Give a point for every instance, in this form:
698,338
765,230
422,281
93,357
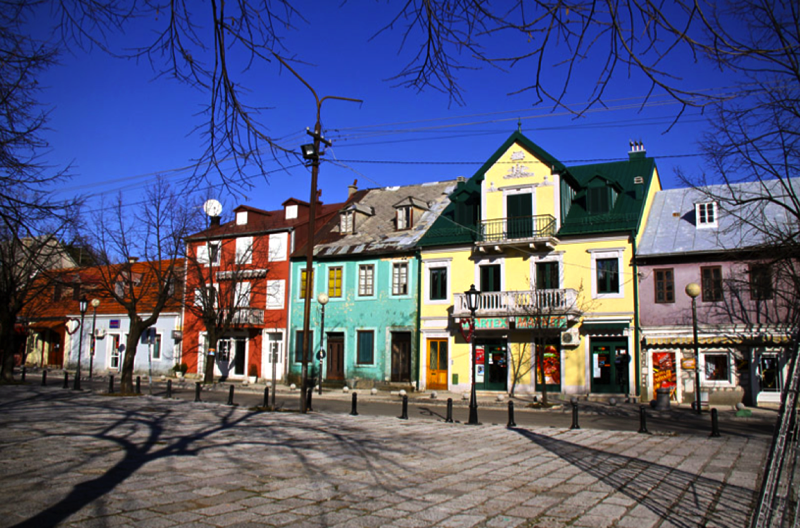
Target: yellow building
550,249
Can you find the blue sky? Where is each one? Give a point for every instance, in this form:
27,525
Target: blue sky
119,125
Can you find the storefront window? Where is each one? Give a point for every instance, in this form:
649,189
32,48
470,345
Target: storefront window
717,367
548,363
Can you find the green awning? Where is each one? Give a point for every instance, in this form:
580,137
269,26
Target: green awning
604,328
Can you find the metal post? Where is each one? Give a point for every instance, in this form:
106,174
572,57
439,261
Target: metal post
266,397
169,390
22,378
321,345
449,418
138,384
95,304
575,416
44,378
111,384
696,357
473,398
77,383
511,422
354,405
197,392
643,419
404,414
66,380
230,396
714,424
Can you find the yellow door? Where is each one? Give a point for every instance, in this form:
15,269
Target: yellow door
437,364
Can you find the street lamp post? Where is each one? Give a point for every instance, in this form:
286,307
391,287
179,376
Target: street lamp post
95,304
693,290
322,298
472,296
82,305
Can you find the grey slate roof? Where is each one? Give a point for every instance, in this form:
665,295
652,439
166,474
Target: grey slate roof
377,233
671,225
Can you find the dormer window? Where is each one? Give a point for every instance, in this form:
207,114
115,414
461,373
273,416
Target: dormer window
347,222
706,214
599,200
405,218
291,212
241,218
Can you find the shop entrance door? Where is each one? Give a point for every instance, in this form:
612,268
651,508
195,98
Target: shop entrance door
770,369
492,363
604,373
438,359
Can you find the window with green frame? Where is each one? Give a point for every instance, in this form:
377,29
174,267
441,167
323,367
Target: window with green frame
608,275
335,282
366,347
547,276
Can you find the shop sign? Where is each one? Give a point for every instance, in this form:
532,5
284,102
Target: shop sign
687,364
529,322
491,323
480,352
114,323
664,376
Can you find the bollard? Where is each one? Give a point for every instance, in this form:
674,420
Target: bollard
511,422
44,378
266,397
449,418
138,384
197,391
230,396
23,373
404,415
643,419
66,380
309,392
354,405
714,424
111,384
575,416
169,389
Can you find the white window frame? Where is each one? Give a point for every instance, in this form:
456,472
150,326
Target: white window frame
428,265
242,291
347,222
374,268
712,206
278,242
244,250
114,352
241,218
501,261
608,253
395,265
730,382
553,257
291,212
404,217
276,294
202,253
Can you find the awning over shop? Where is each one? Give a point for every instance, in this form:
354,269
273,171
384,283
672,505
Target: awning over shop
46,325
604,328
715,340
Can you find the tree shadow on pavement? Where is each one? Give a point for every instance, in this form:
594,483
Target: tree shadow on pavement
683,499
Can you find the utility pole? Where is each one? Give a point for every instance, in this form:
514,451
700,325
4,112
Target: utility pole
311,153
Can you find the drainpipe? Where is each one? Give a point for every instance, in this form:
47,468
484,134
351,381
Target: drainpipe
418,256
636,343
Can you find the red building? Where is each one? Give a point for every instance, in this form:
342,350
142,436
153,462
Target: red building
237,282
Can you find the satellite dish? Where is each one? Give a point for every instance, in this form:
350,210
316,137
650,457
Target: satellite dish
212,207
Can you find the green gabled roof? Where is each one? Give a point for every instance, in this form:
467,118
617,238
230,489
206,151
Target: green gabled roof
628,207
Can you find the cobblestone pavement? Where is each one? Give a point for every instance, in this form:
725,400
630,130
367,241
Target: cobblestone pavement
82,460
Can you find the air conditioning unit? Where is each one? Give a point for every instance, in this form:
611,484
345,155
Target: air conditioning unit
570,337
100,333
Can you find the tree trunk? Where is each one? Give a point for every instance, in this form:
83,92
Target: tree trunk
7,353
126,376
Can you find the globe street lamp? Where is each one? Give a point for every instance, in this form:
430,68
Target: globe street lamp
472,296
95,304
323,299
82,305
693,290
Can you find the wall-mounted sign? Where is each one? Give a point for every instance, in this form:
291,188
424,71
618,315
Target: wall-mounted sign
528,322
491,323
114,323
687,364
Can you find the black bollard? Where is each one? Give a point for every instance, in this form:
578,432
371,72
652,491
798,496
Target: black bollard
44,378
230,396
169,390
66,380
354,405
714,424
309,392
449,418
511,422
266,397
197,391
643,419
23,373
404,415
138,384
111,384
575,416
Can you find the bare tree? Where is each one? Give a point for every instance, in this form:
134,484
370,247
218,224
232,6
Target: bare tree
140,259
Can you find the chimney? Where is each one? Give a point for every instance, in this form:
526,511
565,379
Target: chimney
637,150
215,221
351,189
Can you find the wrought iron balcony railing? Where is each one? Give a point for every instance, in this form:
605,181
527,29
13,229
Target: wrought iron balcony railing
518,228
526,302
246,316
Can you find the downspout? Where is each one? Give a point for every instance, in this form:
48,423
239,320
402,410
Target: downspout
419,317
636,343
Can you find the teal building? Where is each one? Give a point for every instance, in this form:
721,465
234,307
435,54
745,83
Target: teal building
367,267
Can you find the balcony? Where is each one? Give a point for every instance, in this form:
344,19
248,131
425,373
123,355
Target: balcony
532,231
526,302
245,316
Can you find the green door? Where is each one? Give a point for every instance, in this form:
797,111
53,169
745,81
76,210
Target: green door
605,378
492,366
519,212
